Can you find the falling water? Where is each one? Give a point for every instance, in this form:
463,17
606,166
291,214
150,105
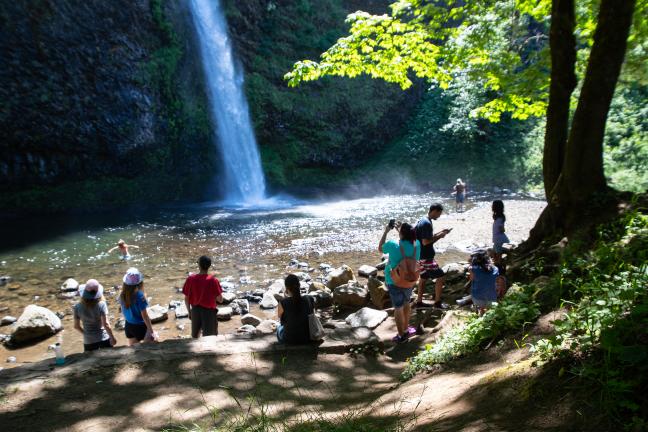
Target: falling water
243,178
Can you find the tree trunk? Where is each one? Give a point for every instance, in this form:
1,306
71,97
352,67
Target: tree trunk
563,82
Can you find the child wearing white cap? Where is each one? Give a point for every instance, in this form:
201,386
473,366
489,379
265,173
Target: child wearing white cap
133,305
92,311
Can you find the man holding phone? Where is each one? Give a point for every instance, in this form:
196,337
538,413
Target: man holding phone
429,267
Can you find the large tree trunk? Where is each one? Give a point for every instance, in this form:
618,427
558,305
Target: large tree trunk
570,204
563,82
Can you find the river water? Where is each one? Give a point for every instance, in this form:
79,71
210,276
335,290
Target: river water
249,248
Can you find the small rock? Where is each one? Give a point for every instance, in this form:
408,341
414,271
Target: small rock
181,311
4,280
339,276
14,286
158,313
245,280
7,320
366,317
259,292
36,298
267,326
324,267
247,329
293,262
236,309
4,338
228,286
180,327
302,265
68,295
228,297
11,359
269,301
173,304
244,306
70,285
224,313
303,276
251,320
367,270
120,324
60,314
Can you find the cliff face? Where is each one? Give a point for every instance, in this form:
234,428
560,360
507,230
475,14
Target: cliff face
88,95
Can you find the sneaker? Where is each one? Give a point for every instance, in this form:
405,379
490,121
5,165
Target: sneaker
421,305
441,305
400,339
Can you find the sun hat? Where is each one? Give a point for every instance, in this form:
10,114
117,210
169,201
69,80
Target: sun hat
91,290
133,277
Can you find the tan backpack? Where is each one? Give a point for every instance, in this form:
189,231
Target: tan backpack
406,273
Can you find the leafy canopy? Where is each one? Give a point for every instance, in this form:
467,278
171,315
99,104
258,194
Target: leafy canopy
501,43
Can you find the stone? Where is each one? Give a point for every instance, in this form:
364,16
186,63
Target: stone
303,265
244,306
303,276
378,293
180,327
350,294
11,359
228,297
14,286
323,299
4,338
366,317
275,287
70,285
228,286
339,276
181,311
4,280
7,320
367,270
324,266
267,326
158,313
247,329
173,304
251,320
68,294
236,309
35,322
269,301
120,324
293,262
60,314
317,286
224,313
454,272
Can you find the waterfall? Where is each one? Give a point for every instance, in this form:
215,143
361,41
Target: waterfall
243,178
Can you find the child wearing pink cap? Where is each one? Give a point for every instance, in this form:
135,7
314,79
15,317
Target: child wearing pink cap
92,311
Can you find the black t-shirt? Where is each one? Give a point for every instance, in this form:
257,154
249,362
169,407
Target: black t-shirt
424,231
295,319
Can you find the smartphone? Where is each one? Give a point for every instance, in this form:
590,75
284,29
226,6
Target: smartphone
392,223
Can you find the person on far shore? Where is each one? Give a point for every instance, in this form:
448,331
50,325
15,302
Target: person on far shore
407,246
92,311
293,314
133,305
429,267
459,190
483,274
123,250
499,236
202,292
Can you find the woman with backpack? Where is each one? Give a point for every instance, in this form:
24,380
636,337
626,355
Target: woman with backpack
401,274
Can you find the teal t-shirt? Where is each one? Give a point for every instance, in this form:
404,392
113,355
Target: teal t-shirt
392,248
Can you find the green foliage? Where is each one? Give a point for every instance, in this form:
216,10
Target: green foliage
511,314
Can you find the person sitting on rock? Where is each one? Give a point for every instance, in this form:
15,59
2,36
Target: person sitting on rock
293,314
483,274
400,295
202,291
92,311
123,250
133,305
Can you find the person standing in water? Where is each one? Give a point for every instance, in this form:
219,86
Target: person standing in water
460,190
123,250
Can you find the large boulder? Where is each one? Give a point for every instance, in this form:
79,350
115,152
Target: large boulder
339,277
224,313
269,301
378,293
36,322
323,299
366,317
367,271
350,294
249,319
277,289
454,272
228,297
158,313
70,285
267,327
317,286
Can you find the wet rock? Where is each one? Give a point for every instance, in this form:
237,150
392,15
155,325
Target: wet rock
35,322
366,317
277,289
181,311
323,299
120,324
14,286
303,265
247,329
228,297
303,276
269,301
11,359
68,295
70,285
158,313
317,286
224,313
228,286
259,292
267,326
251,320
4,280
367,270
244,306
378,293
253,299
339,276
236,309
7,320
350,294
173,304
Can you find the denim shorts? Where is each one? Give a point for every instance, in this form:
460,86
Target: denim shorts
399,296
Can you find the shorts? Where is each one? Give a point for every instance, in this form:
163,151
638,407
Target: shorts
460,197
203,319
482,304
498,248
281,334
97,345
125,257
399,296
430,269
135,331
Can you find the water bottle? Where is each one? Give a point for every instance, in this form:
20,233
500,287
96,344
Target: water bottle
58,351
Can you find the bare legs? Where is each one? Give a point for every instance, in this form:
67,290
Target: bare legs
402,318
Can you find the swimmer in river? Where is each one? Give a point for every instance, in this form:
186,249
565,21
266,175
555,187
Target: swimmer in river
123,250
